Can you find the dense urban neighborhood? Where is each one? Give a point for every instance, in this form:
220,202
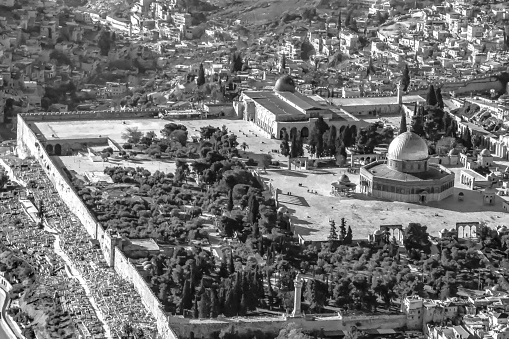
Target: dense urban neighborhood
230,169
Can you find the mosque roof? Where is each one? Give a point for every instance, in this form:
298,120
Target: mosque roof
408,146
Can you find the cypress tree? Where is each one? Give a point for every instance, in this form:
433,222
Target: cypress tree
231,264
187,299
466,137
342,229
195,309
204,305
349,236
431,98
256,230
331,143
402,123
230,303
201,76
243,305
229,206
339,21
294,147
254,209
214,304
285,146
440,99
333,235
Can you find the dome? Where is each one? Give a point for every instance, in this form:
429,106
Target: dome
485,153
344,179
285,84
408,146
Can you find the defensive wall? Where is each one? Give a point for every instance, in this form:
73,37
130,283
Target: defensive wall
173,327
309,323
478,83
91,115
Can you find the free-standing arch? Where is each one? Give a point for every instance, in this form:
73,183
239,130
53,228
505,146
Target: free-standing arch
49,149
58,149
304,132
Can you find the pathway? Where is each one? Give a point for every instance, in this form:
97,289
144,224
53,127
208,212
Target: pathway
75,273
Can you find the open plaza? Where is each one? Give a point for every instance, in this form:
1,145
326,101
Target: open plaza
311,204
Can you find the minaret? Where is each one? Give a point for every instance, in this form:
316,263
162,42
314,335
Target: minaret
297,312
400,93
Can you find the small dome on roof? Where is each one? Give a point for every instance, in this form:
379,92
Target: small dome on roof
408,146
285,84
485,153
344,179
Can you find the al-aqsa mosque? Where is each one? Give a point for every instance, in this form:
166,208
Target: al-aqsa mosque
407,175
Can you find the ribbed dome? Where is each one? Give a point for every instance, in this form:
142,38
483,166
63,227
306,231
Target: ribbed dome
408,146
285,84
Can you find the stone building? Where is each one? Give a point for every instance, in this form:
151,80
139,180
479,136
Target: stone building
284,109
407,175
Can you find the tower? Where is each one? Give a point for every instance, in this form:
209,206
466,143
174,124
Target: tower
297,312
400,93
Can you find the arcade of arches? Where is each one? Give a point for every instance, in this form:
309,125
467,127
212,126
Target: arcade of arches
303,132
54,150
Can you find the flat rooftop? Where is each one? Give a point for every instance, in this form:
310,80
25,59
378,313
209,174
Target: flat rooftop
273,102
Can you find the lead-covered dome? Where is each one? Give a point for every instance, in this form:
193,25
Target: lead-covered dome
408,146
285,84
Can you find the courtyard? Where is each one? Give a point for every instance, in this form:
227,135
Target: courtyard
257,144
311,211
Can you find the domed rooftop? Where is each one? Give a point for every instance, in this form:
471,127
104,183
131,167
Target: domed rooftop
285,84
344,179
408,146
485,153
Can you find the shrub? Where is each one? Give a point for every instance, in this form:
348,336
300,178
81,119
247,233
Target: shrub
127,146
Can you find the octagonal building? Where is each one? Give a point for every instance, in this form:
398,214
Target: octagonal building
407,175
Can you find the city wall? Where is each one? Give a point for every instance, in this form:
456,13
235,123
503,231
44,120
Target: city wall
127,271
93,115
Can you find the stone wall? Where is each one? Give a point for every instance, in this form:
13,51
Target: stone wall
126,270
90,115
365,322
